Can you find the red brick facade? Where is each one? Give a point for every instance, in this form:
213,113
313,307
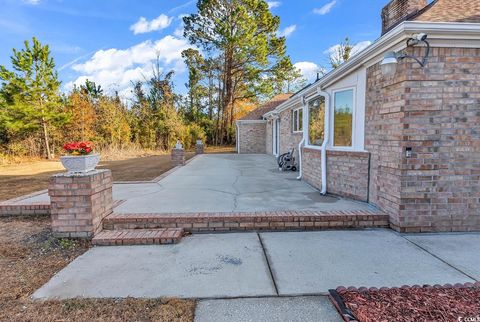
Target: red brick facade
80,202
436,112
288,138
252,137
347,172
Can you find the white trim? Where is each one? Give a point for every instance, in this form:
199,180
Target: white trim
251,121
449,34
298,120
306,126
354,108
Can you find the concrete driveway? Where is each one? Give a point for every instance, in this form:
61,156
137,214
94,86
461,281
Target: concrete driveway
268,264
227,183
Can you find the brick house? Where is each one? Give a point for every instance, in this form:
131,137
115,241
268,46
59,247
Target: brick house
389,127
254,135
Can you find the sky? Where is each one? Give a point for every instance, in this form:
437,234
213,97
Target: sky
113,42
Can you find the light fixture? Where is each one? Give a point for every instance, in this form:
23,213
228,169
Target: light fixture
390,60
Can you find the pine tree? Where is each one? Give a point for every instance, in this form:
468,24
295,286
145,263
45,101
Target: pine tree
243,34
30,91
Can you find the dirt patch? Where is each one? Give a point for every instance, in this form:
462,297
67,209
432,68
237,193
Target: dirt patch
413,304
30,256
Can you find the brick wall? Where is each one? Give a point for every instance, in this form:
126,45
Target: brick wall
252,138
178,157
347,172
436,112
397,11
312,167
288,139
80,202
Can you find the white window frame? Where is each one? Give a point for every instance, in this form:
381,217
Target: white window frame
306,121
332,146
297,112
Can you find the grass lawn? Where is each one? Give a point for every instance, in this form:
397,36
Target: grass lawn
30,256
21,179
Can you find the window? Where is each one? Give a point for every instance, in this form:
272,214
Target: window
297,120
343,118
316,121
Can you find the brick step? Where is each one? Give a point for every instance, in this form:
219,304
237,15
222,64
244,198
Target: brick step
138,237
278,220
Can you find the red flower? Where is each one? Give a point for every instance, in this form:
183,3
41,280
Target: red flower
79,148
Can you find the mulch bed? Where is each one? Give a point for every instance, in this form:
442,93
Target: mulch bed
428,303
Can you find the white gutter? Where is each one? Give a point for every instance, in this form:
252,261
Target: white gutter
326,140
302,142
394,38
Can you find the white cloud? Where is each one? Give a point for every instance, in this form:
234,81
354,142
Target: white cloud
287,31
273,4
308,70
326,8
117,68
143,25
32,2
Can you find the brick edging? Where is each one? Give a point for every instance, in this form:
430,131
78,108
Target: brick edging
277,220
23,197
172,170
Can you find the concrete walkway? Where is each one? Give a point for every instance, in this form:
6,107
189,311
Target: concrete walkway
268,264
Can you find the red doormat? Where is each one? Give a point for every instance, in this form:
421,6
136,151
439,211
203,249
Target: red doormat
459,302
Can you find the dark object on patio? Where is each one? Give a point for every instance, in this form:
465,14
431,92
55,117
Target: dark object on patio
286,161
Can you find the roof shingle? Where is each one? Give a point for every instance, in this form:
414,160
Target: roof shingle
450,11
257,114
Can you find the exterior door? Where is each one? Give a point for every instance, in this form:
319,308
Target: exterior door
276,137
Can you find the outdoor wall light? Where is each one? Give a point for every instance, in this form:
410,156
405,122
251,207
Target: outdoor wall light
390,60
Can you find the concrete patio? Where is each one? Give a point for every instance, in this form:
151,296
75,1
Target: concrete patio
222,183
268,265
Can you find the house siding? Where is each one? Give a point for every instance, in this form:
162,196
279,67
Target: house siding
252,137
436,112
288,139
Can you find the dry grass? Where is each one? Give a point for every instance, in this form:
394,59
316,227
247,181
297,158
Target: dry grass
30,256
21,179
126,165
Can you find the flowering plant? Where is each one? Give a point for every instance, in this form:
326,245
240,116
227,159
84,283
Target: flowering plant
79,148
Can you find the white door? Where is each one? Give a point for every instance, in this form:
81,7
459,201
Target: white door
276,137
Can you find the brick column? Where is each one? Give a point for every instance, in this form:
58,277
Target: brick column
178,157
79,202
199,147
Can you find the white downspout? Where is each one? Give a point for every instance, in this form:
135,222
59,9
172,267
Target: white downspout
326,140
305,135
238,138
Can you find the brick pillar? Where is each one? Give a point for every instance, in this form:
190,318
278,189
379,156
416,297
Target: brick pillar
178,157
199,147
79,202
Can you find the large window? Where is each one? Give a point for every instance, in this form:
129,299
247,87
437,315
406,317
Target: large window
343,118
316,121
297,120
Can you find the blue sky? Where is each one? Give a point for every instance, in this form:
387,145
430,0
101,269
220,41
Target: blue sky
114,41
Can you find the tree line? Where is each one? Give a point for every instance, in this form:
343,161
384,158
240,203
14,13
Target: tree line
238,60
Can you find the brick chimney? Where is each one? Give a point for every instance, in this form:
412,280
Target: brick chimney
398,11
